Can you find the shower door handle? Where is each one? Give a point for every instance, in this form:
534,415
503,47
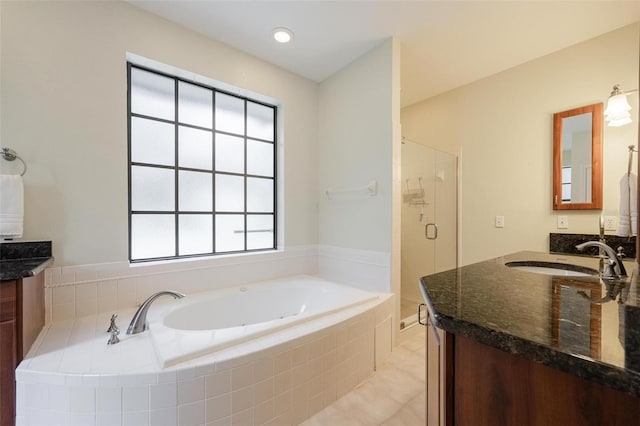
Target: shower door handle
428,322
431,235
420,306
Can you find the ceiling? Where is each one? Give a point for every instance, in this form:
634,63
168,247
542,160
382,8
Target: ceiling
445,44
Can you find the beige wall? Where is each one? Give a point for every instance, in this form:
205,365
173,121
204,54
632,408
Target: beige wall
63,109
501,127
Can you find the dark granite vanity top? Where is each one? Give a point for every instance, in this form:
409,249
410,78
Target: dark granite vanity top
582,325
23,259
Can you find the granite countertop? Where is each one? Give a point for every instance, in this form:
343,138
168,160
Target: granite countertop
24,259
585,326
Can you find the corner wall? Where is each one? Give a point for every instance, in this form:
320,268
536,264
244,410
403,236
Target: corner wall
502,129
355,141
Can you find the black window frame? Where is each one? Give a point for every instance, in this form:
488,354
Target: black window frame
177,168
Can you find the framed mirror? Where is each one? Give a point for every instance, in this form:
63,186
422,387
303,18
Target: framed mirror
577,158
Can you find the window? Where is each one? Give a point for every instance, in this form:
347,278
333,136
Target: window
202,169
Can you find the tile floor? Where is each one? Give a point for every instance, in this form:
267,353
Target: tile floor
393,396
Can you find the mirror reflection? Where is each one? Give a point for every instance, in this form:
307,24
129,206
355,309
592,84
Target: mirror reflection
577,158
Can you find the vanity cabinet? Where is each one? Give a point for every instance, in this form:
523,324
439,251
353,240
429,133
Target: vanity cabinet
8,352
21,319
470,383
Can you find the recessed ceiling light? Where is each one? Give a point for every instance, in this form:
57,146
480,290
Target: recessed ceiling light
282,35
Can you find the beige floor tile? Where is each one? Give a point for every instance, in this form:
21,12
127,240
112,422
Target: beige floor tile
412,413
393,395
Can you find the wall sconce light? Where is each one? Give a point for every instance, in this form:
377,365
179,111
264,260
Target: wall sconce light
617,112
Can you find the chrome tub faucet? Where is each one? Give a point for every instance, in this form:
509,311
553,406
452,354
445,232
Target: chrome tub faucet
139,321
615,269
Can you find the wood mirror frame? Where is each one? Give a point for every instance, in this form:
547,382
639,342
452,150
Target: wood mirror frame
596,158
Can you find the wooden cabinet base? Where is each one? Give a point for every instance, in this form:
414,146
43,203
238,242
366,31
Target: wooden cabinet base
8,363
21,319
492,387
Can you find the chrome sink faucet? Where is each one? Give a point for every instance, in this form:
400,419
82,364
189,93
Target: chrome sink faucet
139,321
615,269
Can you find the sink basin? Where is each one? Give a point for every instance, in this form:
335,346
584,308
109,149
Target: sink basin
552,268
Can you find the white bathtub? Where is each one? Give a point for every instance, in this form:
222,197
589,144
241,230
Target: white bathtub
206,322
270,371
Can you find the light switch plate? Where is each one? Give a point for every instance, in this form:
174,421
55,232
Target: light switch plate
563,222
499,221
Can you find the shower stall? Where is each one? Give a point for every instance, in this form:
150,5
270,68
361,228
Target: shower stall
429,220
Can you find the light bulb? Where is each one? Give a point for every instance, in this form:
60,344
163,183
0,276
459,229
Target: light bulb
282,35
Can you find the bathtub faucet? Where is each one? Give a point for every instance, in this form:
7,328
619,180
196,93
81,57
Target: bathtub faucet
139,321
615,269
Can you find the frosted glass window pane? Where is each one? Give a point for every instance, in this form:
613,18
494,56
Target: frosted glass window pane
194,148
152,142
229,154
259,121
259,232
152,189
229,193
259,158
229,114
259,195
152,235
229,233
196,234
194,191
195,105
152,94
566,192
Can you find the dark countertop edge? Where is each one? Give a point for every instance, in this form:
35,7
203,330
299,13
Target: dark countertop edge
586,368
43,263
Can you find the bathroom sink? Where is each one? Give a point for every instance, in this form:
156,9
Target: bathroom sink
552,268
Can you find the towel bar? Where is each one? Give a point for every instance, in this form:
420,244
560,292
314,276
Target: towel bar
10,155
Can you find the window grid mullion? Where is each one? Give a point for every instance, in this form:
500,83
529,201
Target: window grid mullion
245,176
275,172
176,173
213,169
130,218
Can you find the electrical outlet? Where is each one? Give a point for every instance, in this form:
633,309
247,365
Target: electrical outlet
610,223
563,222
499,221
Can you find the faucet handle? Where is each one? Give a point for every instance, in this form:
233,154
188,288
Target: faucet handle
621,253
112,324
113,330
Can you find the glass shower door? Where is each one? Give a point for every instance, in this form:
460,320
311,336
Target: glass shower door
429,220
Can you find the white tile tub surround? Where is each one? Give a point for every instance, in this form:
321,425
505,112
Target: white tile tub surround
77,291
72,377
367,270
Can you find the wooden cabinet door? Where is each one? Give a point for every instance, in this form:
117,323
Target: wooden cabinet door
8,361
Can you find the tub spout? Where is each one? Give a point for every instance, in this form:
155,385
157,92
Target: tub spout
139,321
